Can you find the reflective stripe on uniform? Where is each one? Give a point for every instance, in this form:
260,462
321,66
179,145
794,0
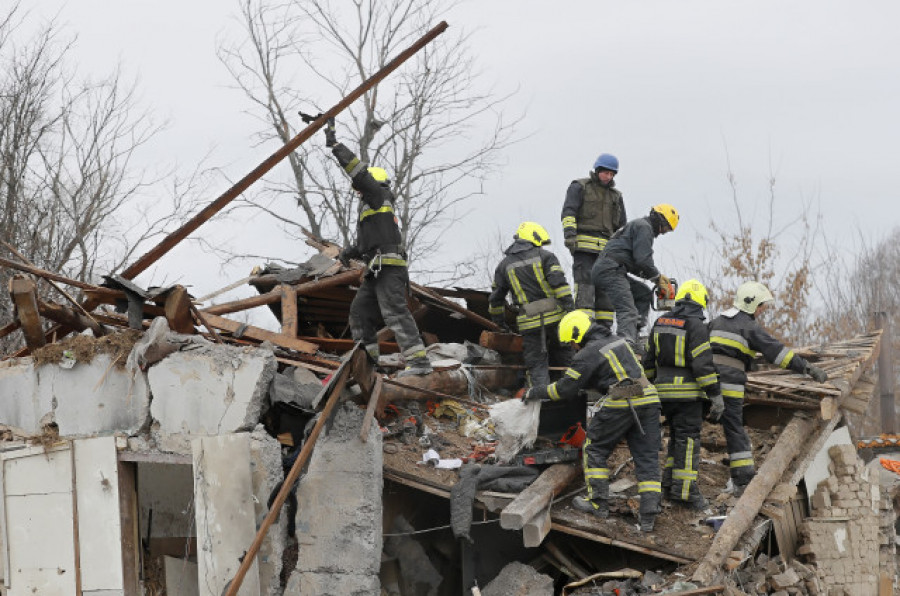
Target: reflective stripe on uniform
524,323
603,315
354,167
497,310
784,358
571,372
686,475
700,349
552,392
371,212
731,340
597,473
622,402
569,222
740,459
649,486
590,242
731,390
707,380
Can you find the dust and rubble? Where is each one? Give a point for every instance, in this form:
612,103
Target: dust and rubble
339,444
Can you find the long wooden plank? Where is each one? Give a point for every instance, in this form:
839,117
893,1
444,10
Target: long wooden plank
288,310
537,496
244,183
291,343
449,304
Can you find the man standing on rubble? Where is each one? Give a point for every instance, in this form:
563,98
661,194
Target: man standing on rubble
630,250
736,336
540,292
607,368
379,244
592,212
679,362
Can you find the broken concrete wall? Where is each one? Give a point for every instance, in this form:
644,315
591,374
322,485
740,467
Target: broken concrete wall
340,553
842,534
266,474
208,390
90,398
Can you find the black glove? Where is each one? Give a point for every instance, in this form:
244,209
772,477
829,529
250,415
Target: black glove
501,323
717,408
346,254
530,396
571,243
818,375
330,138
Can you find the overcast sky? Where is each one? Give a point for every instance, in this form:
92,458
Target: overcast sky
807,91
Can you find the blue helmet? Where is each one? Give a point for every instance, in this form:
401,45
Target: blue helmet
607,162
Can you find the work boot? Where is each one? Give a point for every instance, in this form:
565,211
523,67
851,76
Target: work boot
416,367
648,510
740,480
599,508
697,501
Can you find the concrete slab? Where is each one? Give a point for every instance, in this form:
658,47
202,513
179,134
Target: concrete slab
344,478
266,473
225,514
210,390
88,399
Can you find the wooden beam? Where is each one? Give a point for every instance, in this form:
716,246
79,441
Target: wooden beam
739,519
288,310
244,183
24,296
537,528
178,311
501,342
69,317
448,382
370,408
306,288
537,496
449,304
291,343
573,569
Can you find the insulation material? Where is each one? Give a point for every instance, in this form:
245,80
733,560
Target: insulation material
516,426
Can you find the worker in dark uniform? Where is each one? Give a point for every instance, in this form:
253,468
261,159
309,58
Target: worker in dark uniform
592,212
542,296
382,294
630,250
736,336
606,366
679,361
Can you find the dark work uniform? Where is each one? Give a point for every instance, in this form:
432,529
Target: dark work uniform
679,361
538,286
591,214
630,250
736,337
382,294
603,360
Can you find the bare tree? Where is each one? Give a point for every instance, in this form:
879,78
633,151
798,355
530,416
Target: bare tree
71,198
756,251
428,126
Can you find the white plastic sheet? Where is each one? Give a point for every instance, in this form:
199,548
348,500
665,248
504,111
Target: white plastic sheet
516,426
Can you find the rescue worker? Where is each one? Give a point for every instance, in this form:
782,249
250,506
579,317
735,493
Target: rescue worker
679,362
736,336
630,250
382,294
541,294
592,212
606,366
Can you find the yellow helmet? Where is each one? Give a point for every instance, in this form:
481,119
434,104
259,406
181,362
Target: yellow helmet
750,295
533,232
379,174
669,214
573,326
692,290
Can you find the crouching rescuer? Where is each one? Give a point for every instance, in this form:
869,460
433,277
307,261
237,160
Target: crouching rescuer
542,296
607,368
679,361
736,336
382,294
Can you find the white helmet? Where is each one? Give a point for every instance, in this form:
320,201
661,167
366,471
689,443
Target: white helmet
751,295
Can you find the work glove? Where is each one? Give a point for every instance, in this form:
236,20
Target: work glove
530,396
571,243
818,375
346,254
330,138
501,323
663,283
717,408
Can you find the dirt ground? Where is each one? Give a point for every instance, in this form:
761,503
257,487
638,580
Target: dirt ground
679,531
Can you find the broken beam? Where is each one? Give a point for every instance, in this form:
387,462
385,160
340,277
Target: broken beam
259,334
537,496
70,318
24,295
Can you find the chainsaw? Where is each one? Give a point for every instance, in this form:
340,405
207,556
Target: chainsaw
664,297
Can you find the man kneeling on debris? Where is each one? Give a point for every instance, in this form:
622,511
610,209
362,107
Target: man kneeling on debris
736,336
679,361
379,243
541,294
606,365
